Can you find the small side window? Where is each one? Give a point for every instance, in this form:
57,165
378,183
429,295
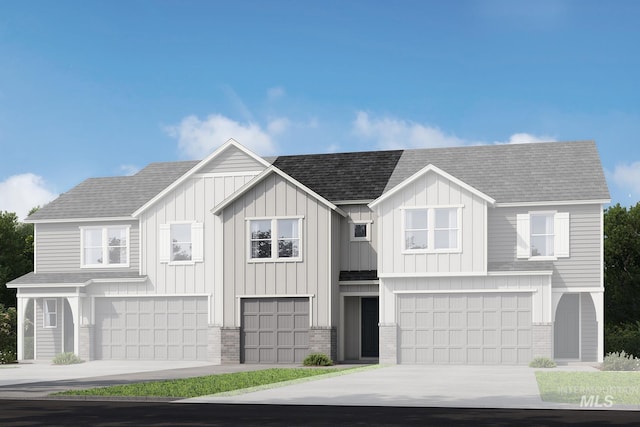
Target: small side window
50,313
360,231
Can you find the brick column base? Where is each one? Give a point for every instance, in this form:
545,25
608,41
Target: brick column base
542,340
388,344
214,347
230,345
324,340
85,345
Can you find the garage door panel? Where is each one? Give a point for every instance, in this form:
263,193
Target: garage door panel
282,330
151,328
465,328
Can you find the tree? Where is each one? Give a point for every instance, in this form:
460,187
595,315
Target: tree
16,253
622,264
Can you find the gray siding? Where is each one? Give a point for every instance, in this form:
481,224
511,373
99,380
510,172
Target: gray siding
582,268
48,340
274,196
432,190
360,255
58,246
589,330
232,160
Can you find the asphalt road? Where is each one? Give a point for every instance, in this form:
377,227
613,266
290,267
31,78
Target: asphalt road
118,413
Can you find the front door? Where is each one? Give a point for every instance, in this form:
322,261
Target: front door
369,328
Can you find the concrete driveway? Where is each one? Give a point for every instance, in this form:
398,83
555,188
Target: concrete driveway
414,386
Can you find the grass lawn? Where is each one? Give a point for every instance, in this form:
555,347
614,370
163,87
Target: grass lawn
619,388
210,384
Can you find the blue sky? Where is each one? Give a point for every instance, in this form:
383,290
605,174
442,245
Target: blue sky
102,88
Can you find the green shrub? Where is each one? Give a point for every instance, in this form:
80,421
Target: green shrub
542,362
624,337
317,359
8,334
620,362
66,359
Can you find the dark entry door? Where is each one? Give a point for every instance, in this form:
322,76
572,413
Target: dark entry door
369,331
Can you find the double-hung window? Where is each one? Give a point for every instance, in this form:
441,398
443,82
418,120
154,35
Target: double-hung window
50,310
542,235
275,239
431,229
105,246
181,242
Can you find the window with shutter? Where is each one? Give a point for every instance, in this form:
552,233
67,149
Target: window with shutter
542,235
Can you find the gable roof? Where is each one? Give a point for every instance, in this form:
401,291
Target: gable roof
114,197
438,171
270,170
342,176
518,173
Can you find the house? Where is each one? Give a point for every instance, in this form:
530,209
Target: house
469,255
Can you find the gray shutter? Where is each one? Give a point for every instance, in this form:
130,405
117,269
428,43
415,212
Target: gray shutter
164,243
561,234
523,246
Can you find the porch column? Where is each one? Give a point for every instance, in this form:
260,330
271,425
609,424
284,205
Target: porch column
22,312
74,304
598,303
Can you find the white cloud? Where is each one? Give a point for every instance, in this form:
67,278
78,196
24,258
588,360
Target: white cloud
21,193
526,138
275,93
626,177
278,125
129,169
392,133
199,138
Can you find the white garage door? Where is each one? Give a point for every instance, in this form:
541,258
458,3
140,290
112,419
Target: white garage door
151,328
490,328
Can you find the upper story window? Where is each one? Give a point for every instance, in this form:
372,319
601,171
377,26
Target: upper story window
360,231
105,246
542,235
434,229
50,313
275,239
181,242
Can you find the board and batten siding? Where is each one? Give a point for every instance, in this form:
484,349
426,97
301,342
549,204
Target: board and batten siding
359,255
272,197
192,200
582,268
232,160
432,190
58,246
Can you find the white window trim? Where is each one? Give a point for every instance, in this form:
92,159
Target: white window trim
559,250
352,230
274,239
105,247
197,243
542,257
47,313
431,230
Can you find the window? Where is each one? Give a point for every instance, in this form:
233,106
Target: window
445,228
416,232
265,235
181,242
359,231
50,313
105,246
542,235
432,229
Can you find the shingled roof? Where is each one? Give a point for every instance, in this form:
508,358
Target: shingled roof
518,173
115,196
